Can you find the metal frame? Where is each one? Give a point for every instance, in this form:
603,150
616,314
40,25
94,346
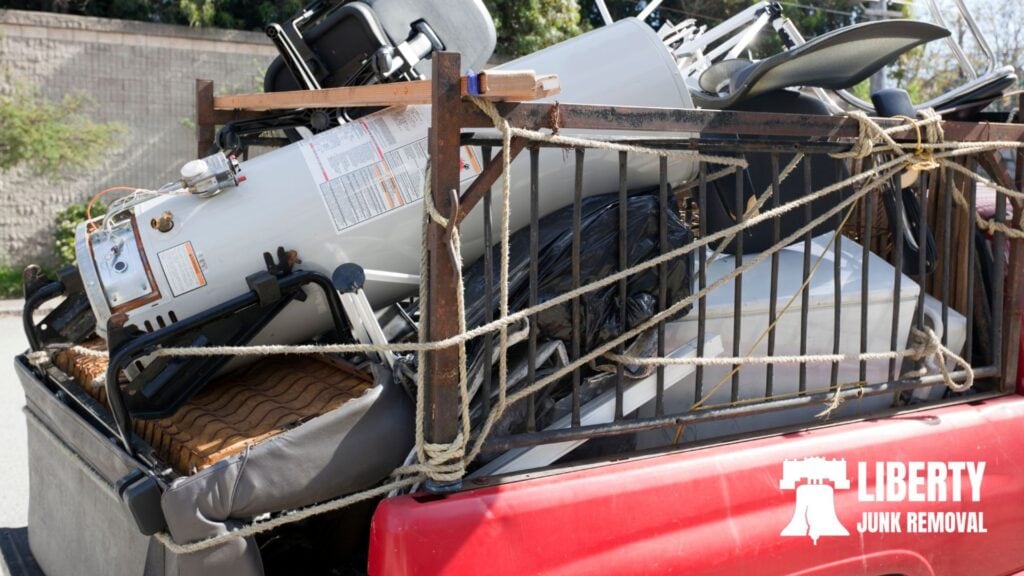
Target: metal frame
779,134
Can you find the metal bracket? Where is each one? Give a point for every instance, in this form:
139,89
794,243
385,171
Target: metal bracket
266,287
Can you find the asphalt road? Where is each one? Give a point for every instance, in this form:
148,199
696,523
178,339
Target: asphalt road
13,453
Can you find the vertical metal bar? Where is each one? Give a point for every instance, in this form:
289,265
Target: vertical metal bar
837,288
947,229
999,255
805,296
577,209
773,303
663,206
531,407
897,253
702,279
865,280
623,264
488,289
972,208
442,366
737,317
922,246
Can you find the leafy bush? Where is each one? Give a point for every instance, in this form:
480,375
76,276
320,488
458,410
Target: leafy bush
10,282
50,137
67,220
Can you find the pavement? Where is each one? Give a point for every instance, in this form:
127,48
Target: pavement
13,452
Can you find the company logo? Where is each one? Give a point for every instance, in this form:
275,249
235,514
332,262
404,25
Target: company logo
816,480
815,513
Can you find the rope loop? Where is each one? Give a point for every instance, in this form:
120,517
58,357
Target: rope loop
926,345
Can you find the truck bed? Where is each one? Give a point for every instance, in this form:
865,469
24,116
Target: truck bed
711,510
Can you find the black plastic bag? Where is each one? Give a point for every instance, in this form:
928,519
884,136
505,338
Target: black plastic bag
599,258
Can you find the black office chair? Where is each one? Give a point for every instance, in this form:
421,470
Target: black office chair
836,60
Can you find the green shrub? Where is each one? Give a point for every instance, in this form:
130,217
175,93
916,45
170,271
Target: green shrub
50,137
10,282
67,220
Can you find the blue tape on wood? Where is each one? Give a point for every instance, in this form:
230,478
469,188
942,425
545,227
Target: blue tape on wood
472,83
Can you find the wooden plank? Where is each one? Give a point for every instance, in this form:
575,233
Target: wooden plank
441,382
516,84
1014,293
497,85
205,125
395,94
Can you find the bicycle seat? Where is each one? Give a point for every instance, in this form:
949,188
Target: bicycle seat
836,60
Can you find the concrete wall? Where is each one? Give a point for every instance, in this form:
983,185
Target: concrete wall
136,73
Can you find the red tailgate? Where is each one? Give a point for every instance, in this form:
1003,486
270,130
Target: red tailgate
715,510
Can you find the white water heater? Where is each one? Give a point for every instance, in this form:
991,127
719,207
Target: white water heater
353,194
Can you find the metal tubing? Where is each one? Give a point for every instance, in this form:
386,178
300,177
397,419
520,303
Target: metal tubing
865,253
500,444
972,209
32,303
537,116
837,288
897,256
702,280
999,263
737,319
531,409
485,180
623,264
947,234
576,309
773,299
806,292
922,247
488,286
663,246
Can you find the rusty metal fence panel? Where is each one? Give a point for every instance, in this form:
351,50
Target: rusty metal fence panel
988,296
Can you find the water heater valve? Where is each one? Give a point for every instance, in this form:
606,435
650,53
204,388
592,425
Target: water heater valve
209,176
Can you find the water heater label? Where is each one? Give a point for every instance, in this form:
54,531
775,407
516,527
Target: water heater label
375,164
181,268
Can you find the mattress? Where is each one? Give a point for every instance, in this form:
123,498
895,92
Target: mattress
237,410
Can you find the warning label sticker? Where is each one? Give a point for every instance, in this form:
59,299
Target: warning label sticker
181,268
375,164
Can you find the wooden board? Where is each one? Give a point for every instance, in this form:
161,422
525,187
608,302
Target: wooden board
497,85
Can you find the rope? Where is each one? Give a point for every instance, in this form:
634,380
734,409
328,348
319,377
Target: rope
925,345
761,200
445,462
767,331
260,526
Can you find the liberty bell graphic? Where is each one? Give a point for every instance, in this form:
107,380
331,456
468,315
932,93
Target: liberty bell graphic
815,513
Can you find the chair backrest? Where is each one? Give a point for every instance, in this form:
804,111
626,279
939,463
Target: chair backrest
340,47
836,60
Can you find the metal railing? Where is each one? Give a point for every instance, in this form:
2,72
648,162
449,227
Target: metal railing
990,294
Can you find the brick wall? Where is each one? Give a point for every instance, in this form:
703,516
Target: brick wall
136,73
